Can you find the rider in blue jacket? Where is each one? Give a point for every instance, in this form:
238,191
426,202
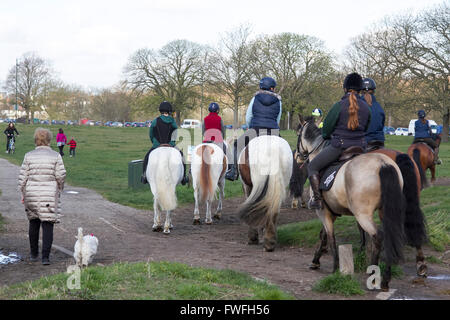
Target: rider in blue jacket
263,117
374,135
422,133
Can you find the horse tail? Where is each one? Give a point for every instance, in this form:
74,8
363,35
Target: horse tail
206,185
423,177
393,206
165,187
295,184
415,229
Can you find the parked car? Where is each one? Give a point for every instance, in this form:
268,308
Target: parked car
127,124
117,124
401,131
45,122
138,124
1,120
228,126
191,124
72,122
244,127
389,130
108,123
148,123
98,123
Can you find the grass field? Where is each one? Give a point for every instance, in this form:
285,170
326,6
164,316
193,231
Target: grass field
101,164
148,281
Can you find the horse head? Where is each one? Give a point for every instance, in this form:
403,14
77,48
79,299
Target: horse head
309,138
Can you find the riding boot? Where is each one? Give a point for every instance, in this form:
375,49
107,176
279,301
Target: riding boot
232,172
185,179
316,201
436,156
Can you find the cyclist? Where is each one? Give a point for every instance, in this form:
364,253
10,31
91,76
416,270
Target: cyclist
9,132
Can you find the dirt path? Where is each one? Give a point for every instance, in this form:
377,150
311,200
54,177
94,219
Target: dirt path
125,235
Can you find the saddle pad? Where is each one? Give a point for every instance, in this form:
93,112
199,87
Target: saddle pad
328,174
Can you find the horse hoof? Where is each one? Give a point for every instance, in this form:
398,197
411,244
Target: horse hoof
217,216
197,222
314,266
208,223
253,242
422,269
157,229
166,231
270,249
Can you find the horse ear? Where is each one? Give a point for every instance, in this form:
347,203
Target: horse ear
301,120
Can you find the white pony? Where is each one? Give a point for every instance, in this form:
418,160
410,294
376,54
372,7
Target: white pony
164,172
265,168
208,168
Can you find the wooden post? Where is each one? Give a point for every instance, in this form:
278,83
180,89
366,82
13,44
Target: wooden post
346,259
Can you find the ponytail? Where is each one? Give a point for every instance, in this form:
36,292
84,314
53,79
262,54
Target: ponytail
353,122
368,98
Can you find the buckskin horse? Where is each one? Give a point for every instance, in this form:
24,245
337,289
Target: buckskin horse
265,167
423,155
208,168
416,233
164,172
363,184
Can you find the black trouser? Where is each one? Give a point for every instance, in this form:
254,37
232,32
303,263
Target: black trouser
61,150
47,237
327,156
72,152
144,166
428,141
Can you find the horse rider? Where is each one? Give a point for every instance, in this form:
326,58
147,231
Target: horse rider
213,128
263,117
317,113
422,133
346,125
9,132
375,134
160,133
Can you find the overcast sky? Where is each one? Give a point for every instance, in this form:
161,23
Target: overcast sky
88,42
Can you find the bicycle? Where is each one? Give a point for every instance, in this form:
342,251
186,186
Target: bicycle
12,145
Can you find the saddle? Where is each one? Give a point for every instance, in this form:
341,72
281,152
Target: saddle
328,174
165,145
420,140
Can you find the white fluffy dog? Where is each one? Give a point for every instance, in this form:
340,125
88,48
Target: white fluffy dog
85,248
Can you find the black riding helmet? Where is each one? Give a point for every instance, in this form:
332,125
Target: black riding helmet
369,84
353,81
165,107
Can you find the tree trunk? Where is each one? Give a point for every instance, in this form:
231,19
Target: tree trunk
445,124
236,114
178,118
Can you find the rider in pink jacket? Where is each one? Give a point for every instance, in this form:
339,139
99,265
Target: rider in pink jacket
61,140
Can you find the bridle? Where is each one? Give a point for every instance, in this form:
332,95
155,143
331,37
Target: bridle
303,153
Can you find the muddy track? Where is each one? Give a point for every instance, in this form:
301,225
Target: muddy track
125,235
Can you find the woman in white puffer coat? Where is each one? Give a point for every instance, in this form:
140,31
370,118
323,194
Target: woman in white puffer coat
41,182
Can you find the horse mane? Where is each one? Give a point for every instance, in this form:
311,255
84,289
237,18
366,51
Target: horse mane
312,132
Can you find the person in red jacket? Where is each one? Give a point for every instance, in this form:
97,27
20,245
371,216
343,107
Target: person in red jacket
72,145
213,128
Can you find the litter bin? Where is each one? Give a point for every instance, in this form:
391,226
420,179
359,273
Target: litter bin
134,174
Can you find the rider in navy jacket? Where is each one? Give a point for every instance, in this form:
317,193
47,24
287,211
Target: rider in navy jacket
375,134
422,132
263,113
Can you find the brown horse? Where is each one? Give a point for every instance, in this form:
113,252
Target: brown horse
423,155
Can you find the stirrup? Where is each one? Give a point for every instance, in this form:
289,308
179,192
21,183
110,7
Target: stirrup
315,204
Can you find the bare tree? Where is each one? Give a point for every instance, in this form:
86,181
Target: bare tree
230,69
172,73
33,78
299,63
